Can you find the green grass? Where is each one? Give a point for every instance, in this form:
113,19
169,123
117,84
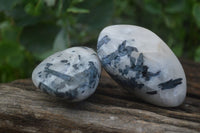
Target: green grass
32,30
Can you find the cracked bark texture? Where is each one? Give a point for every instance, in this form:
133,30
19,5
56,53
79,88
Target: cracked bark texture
25,109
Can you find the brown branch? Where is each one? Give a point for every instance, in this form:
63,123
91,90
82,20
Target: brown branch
24,108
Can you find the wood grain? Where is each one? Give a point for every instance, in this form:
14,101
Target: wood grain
24,108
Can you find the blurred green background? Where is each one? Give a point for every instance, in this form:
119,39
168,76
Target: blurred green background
31,30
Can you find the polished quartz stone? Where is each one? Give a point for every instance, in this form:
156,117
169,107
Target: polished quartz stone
72,74
142,63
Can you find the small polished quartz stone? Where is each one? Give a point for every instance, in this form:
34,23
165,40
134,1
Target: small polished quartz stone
142,63
72,74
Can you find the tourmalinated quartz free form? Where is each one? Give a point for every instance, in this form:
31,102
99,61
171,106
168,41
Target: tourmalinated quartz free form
142,63
72,74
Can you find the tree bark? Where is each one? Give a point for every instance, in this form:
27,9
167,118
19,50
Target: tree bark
24,108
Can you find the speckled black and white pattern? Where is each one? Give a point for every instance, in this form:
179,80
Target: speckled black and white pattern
142,63
72,74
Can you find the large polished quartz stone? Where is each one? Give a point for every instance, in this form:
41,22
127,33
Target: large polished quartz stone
142,63
72,74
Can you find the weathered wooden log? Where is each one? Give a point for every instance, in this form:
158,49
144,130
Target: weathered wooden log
24,108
